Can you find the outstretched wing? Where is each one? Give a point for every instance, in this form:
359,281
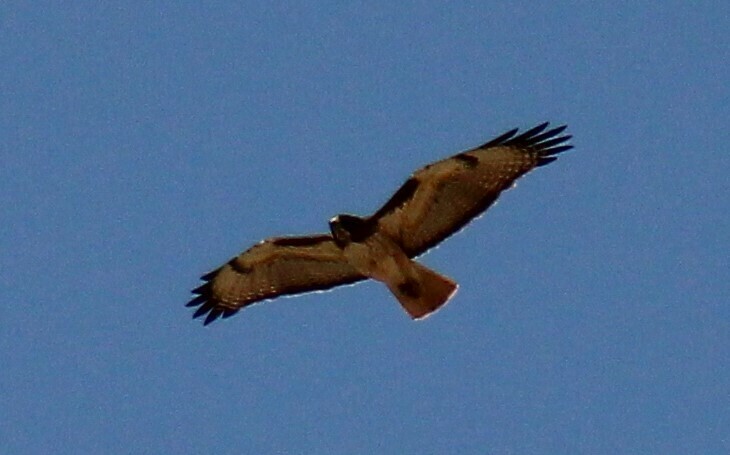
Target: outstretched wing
441,198
273,267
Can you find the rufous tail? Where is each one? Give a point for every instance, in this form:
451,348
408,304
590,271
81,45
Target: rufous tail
424,293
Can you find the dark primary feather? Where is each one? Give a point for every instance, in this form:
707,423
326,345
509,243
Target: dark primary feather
460,188
532,140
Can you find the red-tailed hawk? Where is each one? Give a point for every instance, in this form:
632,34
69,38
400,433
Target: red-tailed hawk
435,202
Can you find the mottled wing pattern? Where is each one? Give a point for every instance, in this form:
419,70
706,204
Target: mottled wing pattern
441,198
273,267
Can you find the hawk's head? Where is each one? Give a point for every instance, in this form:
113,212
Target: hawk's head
349,228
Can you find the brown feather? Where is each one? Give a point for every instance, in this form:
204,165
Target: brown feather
272,268
452,192
435,202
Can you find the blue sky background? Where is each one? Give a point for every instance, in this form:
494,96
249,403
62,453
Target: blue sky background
142,145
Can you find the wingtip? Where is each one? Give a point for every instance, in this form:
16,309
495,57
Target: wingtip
204,308
546,160
546,142
199,300
499,140
214,314
228,313
207,305
203,289
534,131
555,150
531,137
210,275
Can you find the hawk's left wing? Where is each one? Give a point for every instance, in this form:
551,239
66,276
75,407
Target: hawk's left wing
441,198
274,267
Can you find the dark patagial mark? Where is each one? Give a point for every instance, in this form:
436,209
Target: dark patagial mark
468,160
404,193
238,266
312,240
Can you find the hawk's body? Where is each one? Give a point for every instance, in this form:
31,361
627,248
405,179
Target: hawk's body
432,204
421,291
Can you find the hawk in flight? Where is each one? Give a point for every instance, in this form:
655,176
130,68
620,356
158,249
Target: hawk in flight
434,203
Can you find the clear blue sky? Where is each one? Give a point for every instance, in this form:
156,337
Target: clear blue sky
144,145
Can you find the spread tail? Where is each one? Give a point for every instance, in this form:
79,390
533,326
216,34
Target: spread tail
424,293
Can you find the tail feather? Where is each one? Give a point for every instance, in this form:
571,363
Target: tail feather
425,293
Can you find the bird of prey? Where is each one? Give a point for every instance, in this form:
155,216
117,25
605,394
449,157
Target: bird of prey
434,203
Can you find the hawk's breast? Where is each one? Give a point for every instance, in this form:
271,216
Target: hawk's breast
378,257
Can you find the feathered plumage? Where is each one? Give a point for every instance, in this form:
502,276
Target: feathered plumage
435,202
